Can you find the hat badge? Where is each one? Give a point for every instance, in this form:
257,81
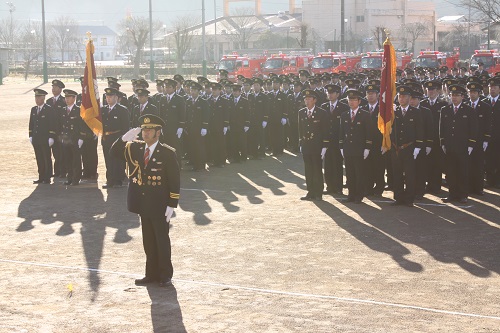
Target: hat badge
147,120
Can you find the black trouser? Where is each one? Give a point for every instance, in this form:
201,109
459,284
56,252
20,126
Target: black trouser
217,144
43,160
59,164
237,139
156,243
72,162
493,163
375,173
421,170
403,173
355,175
115,168
89,157
314,174
256,139
476,169
334,171
457,173
197,149
276,131
293,137
435,169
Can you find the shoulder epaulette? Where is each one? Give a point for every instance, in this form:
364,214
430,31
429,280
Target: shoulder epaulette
167,146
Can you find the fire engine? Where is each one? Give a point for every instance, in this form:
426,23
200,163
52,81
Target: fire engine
248,66
436,59
284,64
373,60
334,62
490,59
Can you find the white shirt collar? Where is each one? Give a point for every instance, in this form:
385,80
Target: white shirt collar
151,148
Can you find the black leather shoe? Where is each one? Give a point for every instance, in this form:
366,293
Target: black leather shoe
410,204
306,198
318,198
106,186
447,199
349,199
39,181
463,200
480,193
67,183
46,182
396,203
357,201
145,280
165,283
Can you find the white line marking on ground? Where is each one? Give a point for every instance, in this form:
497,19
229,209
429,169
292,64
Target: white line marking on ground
266,291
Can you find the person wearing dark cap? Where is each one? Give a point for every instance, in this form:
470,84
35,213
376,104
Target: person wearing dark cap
355,142
239,124
458,137
115,122
198,111
156,98
278,115
314,140
219,123
295,103
132,100
223,74
58,105
42,135
493,149
480,69
333,167
153,193
145,106
407,138
422,161
477,159
173,112
90,158
259,118
72,135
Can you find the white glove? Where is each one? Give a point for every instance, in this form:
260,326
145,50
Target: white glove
179,132
31,140
300,149
203,132
485,146
168,213
366,152
51,142
342,152
264,124
416,151
225,130
444,149
246,128
428,150
80,143
283,121
469,150
131,135
383,150
323,152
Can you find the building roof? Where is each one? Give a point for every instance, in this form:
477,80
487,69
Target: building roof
95,30
451,19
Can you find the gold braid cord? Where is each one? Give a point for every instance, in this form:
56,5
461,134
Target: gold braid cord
133,163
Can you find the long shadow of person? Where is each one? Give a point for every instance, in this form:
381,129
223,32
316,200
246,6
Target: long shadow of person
369,235
34,208
166,314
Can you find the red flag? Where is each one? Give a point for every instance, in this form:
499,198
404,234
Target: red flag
387,93
89,110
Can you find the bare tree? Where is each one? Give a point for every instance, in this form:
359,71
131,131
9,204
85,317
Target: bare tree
241,26
182,34
412,31
9,31
137,29
30,44
379,35
304,34
63,31
486,9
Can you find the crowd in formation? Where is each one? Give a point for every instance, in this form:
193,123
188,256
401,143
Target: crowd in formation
446,121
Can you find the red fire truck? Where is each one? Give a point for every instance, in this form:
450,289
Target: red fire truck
373,60
436,59
234,64
490,59
284,64
334,62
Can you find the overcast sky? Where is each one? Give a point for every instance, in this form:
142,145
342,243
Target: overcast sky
110,12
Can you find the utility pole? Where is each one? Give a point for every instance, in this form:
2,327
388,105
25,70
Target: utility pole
45,74
203,46
342,26
151,60
215,31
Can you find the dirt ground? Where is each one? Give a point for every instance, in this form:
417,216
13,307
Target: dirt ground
248,255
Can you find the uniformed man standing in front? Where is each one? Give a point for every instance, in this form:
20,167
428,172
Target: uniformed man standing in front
458,134
407,137
58,105
313,134
355,142
493,149
115,122
173,113
198,123
42,135
72,136
153,193
145,106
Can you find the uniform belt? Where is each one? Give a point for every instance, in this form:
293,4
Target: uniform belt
110,133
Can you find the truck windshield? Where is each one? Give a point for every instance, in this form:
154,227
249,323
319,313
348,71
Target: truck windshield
273,63
228,65
487,61
427,62
324,63
371,63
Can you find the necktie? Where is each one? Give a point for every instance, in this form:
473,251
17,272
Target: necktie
39,109
168,98
142,108
371,109
455,109
492,102
331,108
309,113
68,111
146,157
474,105
235,101
352,115
432,103
403,111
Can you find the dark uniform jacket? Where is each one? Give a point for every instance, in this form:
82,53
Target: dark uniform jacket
277,106
114,122
495,121
153,187
355,135
260,108
334,121
199,115
239,114
173,114
59,109
428,123
220,113
150,108
436,115
313,131
483,114
407,130
458,131
296,102
42,124
73,126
